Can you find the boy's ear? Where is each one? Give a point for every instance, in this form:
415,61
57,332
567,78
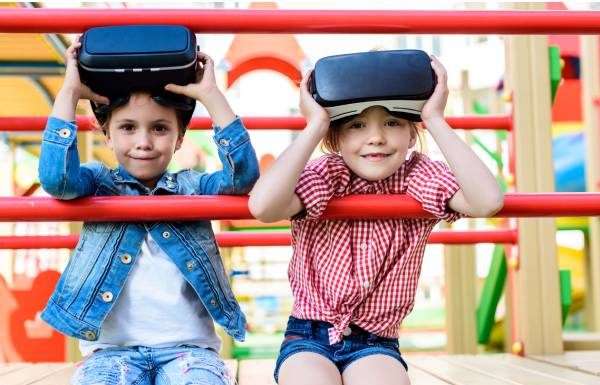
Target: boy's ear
179,142
108,140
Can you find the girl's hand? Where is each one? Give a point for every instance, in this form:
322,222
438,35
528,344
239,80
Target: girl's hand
310,109
205,84
434,107
72,83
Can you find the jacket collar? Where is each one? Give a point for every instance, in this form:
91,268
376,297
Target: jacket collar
167,184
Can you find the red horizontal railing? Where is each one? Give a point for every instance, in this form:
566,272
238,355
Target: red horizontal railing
85,123
153,208
307,21
235,239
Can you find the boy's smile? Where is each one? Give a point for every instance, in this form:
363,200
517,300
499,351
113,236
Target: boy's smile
144,136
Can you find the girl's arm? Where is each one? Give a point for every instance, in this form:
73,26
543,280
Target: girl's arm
273,197
60,172
240,166
479,194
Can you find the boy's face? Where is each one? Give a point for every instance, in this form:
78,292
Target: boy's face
144,136
374,144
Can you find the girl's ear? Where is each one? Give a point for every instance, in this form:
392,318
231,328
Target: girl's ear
414,134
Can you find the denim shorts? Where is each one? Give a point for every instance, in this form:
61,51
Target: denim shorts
312,336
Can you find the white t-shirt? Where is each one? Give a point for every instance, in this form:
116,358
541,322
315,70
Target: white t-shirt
157,308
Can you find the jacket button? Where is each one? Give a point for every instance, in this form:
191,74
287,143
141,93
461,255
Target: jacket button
190,265
347,331
89,335
107,296
166,234
126,259
64,133
224,142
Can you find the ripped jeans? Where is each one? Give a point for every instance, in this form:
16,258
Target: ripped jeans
141,365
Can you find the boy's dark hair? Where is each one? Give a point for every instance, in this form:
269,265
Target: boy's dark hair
184,108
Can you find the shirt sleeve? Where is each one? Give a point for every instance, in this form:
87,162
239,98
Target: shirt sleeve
317,185
433,184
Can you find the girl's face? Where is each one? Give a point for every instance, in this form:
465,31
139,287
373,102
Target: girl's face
144,136
374,144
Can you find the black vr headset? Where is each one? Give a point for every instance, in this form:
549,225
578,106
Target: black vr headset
116,61
399,80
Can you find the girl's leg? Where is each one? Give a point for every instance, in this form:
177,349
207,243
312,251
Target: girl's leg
308,368
192,365
377,369
111,367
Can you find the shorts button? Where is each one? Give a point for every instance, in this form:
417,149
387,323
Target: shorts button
166,235
224,142
347,331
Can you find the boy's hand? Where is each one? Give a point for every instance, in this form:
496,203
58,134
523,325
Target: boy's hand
205,84
72,83
310,109
434,107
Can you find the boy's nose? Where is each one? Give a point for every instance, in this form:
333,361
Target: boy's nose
143,141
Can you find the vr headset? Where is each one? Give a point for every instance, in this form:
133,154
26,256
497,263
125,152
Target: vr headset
399,80
115,61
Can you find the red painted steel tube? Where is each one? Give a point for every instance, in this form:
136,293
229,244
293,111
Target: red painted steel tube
84,123
308,21
236,238
152,208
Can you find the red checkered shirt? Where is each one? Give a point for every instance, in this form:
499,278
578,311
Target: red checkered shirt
363,272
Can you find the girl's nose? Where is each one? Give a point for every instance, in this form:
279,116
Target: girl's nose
376,134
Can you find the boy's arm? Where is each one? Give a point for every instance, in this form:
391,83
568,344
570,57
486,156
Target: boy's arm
240,166
59,170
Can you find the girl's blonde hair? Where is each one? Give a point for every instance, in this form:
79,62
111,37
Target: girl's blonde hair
330,143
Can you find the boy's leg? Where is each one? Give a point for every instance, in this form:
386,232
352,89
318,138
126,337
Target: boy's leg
111,367
306,368
377,369
191,365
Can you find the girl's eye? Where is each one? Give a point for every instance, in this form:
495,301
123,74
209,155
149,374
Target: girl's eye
127,127
355,125
394,123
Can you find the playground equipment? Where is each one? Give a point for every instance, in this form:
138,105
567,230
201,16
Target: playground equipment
535,321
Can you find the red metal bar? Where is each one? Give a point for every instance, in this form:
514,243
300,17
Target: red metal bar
307,21
236,238
152,208
84,123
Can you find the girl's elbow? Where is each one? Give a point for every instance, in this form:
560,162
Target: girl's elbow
494,204
260,211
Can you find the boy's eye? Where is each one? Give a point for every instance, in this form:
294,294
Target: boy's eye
126,127
392,123
161,128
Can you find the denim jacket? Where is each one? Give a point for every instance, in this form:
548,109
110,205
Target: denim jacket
106,251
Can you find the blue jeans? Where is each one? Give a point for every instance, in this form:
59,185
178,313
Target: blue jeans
161,366
312,336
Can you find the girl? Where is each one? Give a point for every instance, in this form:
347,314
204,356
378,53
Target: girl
142,296
354,281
